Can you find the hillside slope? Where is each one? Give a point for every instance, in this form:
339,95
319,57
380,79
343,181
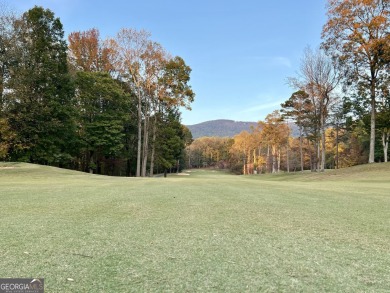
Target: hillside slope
206,232
227,128
221,128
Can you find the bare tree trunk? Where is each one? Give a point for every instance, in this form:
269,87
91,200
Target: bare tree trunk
318,167
189,157
139,146
301,146
279,156
311,160
145,146
385,142
249,162
372,134
288,158
267,168
323,147
153,146
273,159
254,160
91,162
337,146
260,168
316,155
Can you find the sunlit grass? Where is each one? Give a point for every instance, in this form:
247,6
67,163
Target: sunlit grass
206,232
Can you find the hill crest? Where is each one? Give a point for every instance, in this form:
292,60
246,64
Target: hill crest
220,128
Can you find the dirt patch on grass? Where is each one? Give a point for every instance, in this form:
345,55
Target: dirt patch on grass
2,168
183,174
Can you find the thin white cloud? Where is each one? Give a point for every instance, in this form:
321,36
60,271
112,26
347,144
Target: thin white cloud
283,61
273,60
257,108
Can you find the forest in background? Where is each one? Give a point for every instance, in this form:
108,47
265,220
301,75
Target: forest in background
340,103
100,106
113,106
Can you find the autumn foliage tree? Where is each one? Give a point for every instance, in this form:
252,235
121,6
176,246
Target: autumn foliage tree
171,91
357,35
275,133
93,105
209,152
262,149
318,78
88,53
242,149
128,49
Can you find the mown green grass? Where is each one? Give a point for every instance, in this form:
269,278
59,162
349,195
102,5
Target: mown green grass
206,232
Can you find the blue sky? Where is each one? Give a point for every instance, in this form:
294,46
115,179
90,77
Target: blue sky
240,52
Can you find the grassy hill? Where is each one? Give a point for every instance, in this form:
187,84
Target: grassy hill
204,231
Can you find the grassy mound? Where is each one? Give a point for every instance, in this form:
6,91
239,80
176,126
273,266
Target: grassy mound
206,231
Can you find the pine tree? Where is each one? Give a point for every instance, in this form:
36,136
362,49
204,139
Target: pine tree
103,113
40,91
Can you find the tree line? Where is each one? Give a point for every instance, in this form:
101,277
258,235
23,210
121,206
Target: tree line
101,106
276,145
340,103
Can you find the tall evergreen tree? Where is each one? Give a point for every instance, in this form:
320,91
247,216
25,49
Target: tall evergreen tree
40,91
296,107
104,109
7,50
170,141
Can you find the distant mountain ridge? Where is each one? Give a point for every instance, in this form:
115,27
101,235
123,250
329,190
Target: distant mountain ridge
227,128
220,128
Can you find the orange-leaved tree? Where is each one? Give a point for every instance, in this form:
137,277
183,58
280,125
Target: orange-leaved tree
276,133
355,35
87,52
